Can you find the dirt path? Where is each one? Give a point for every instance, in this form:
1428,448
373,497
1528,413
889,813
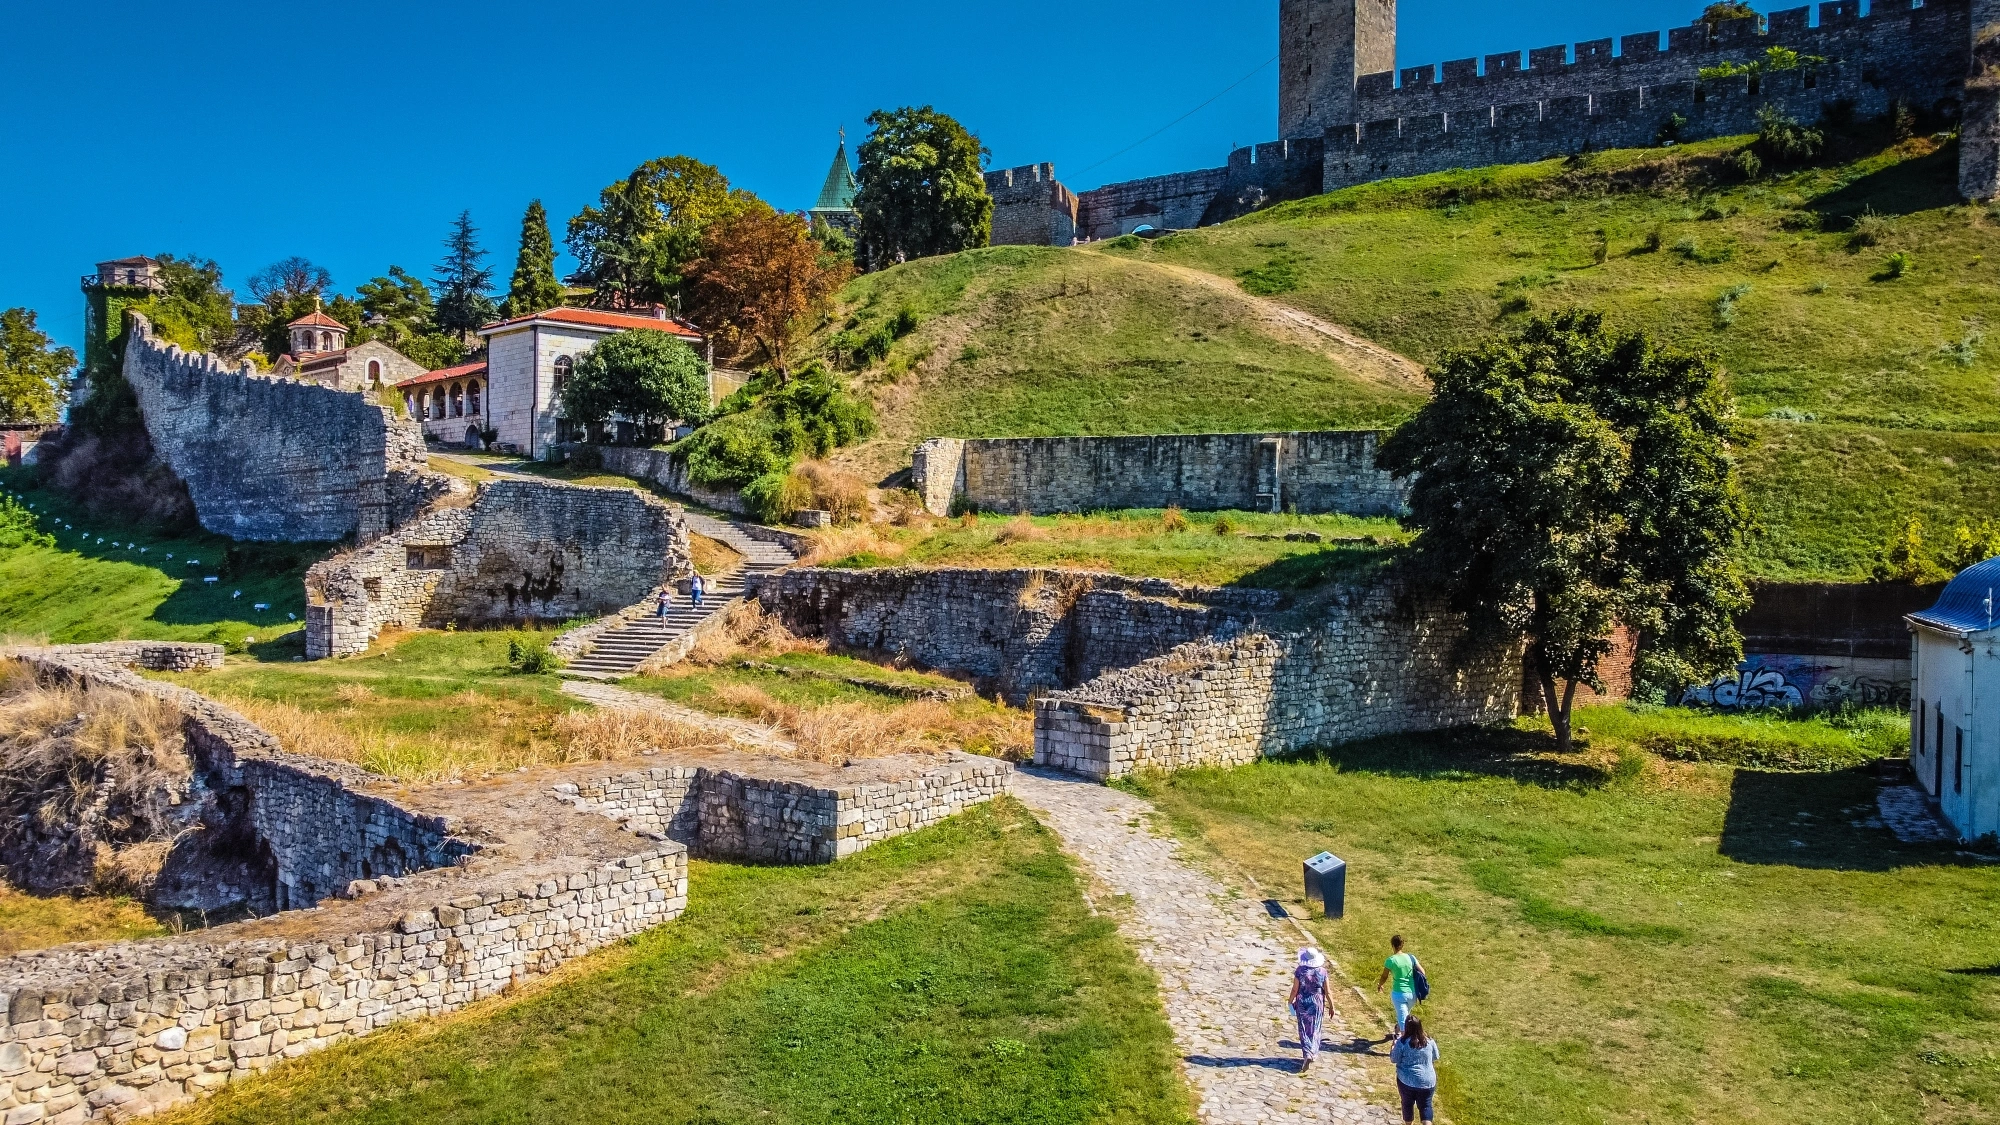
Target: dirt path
1224,966
1355,353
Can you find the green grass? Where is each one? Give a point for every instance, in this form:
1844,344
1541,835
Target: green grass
1895,378
953,975
1138,543
1022,340
419,706
38,921
77,591
1613,937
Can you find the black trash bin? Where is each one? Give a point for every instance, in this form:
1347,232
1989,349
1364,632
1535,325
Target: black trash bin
1326,880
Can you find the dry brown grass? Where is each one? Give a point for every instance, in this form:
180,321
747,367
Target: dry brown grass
834,490
711,556
746,627
837,732
607,736
830,543
1021,529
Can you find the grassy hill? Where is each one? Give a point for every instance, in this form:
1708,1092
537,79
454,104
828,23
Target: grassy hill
1870,393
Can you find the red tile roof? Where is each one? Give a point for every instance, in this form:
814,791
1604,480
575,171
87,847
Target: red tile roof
463,370
597,318
317,319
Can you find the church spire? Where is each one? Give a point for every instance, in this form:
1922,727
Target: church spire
837,194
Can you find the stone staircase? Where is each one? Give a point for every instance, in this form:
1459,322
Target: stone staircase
617,652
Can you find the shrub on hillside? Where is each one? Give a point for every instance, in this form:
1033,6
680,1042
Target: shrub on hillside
18,527
531,656
1784,140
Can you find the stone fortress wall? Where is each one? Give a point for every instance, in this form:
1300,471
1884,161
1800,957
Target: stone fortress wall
1316,471
358,470
523,551
1347,117
1128,673
1030,208
428,898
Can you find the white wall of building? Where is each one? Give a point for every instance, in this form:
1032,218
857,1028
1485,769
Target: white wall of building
521,369
1955,726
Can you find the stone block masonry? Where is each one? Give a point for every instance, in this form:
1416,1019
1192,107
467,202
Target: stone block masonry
1318,471
277,460
1018,632
1030,208
817,815
1366,664
524,551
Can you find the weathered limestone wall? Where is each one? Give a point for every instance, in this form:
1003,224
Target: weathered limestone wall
732,815
277,460
1019,632
1030,208
657,466
1979,128
1365,666
1318,471
524,550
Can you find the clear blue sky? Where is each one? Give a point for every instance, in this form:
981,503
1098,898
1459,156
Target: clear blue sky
352,135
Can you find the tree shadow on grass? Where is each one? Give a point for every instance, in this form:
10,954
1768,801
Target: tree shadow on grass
1809,820
1312,568
1528,757
1921,184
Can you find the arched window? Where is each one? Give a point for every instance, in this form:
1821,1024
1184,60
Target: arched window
472,398
437,402
374,370
409,404
326,341
458,400
563,368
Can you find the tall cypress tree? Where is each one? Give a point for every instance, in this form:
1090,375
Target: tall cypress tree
463,303
534,286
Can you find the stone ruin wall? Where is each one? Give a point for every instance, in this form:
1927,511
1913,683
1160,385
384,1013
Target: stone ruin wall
114,1030
523,551
1366,665
274,459
1321,471
1434,117
1019,633
731,815
1030,208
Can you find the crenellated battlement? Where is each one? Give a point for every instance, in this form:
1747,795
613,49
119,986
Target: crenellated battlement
1925,41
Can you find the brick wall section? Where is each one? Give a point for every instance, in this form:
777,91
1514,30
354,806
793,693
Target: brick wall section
524,550
657,466
1018,632
277,460
1317,471
1367,665
1175,201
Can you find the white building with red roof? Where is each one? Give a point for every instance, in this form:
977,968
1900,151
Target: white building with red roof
528,358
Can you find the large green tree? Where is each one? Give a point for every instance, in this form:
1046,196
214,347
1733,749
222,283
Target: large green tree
922,190
635,244
1571,479
647,377
191,307
34,373
463,302
534,286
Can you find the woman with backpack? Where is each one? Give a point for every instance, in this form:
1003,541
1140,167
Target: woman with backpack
1415,1055
1310,1001
1405,977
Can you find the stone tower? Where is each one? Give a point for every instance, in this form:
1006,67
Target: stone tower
1323,46
1979,129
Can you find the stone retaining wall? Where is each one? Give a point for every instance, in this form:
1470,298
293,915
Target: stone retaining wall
276,459
1019,632
731,815
524,551
1366,665
1317,471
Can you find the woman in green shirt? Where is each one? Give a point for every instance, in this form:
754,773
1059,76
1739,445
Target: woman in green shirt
1400,973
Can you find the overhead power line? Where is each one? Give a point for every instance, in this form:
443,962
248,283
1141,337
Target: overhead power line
1182,117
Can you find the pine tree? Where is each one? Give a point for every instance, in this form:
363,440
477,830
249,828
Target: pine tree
463,304
534,287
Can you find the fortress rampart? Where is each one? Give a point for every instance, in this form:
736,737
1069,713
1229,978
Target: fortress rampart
358,470
1563,99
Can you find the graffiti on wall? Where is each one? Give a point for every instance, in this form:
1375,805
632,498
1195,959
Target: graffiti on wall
1766,681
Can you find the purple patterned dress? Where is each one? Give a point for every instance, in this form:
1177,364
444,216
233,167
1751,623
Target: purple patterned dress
1310,1007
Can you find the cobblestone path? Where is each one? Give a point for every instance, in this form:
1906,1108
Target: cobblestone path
749,735
1224,966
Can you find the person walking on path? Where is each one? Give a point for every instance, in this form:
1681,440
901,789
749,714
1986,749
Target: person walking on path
696,588
1309,1000
664,602
1415,1055
1399,972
